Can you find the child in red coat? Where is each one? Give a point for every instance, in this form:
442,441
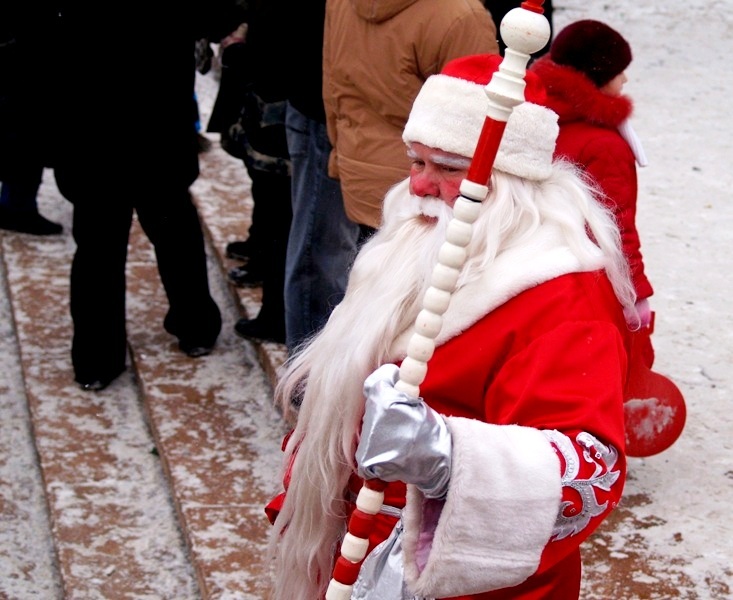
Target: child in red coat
584,74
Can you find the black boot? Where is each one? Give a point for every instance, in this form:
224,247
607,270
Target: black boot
246,276
260,330
28,222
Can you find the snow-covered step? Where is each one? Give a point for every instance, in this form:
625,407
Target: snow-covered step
155,486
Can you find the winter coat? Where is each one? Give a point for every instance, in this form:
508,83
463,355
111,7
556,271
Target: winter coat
589,136
28,87
376,57
302,25
507,533
129,118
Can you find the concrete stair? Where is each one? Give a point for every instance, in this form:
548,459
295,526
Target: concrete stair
155,487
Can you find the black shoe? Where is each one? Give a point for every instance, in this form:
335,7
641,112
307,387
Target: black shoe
195,350
28,222
96,384
256,329
239,250
199,341
244,277
203,144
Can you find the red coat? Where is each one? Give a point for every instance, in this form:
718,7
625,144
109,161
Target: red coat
589,136
557,356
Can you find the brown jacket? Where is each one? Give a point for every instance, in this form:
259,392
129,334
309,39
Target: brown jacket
376,56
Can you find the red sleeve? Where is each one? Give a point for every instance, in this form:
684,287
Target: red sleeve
569,383
611,163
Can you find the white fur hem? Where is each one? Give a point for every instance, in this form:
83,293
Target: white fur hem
502,504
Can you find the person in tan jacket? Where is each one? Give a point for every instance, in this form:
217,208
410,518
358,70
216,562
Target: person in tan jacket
376,57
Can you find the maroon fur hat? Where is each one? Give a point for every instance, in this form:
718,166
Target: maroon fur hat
592,48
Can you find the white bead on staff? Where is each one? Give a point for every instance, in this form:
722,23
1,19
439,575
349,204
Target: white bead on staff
525,30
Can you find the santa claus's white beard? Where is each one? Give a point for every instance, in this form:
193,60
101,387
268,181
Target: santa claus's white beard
387,284
390,276
384,295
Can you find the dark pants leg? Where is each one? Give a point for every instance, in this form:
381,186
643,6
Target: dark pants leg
257,236
170,220
19,194
101,229
323,241
271,193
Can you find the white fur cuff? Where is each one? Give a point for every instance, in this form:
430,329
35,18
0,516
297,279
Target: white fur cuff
502,504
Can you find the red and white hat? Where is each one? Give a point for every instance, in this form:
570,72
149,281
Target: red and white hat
450,109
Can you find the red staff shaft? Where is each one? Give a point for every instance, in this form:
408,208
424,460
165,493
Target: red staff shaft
524,30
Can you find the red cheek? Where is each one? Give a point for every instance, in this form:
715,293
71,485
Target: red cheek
451,191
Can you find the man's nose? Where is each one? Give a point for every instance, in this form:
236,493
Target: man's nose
423,184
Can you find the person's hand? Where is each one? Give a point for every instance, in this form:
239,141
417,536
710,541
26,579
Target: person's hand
644,310
402,438
640,317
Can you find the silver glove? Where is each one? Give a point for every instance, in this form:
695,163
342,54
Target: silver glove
402,438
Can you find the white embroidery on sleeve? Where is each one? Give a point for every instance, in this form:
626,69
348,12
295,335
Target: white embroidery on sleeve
604,457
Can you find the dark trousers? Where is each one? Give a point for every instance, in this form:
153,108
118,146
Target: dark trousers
101,227
18,193
271,216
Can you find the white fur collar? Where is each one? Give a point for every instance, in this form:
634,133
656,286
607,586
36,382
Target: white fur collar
539,258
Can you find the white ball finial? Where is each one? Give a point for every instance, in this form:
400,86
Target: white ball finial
525,31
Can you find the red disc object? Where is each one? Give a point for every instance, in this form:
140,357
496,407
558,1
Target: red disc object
654,408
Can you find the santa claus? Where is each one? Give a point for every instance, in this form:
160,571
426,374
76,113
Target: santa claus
515,452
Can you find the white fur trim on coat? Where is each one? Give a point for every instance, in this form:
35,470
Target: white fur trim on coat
449,113
501,507
542,256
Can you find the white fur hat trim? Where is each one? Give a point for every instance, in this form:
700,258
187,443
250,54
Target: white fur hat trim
449,114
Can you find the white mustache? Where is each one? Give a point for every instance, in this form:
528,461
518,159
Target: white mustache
428,206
